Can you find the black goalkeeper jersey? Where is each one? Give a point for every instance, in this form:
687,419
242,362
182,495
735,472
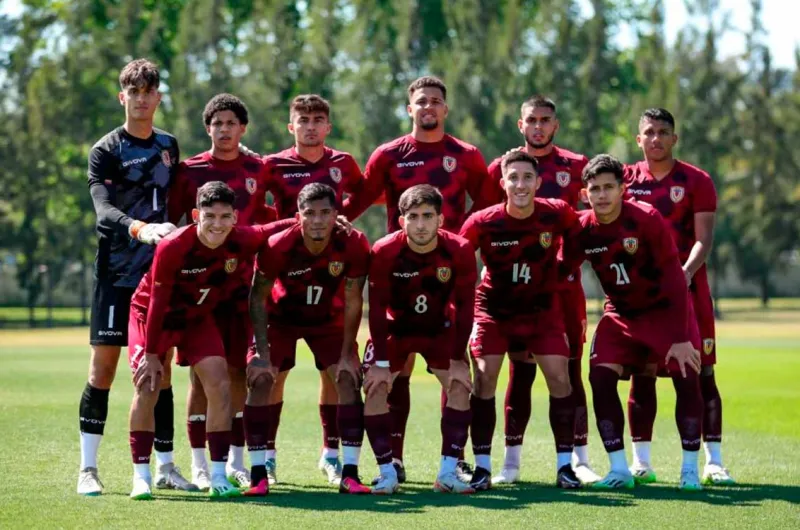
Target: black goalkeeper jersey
128,179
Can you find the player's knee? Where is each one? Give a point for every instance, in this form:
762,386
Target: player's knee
559,385
485,384
166,376
218,389
347,387
144,398
102,368
458,397
377,401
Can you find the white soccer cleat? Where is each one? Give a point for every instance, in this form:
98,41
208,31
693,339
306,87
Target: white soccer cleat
449,483
221,488
586,474
615,480
89,483
508,475
643,473
716,475
387,485
690,480
201,478
238,477
142,490
169,477
332,469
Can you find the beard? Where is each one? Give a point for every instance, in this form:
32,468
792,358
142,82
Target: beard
428,126
540,145
422,242
311,143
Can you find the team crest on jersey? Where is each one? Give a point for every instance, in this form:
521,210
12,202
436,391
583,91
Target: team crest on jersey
449,164
563,178
443,274
630,244
708,346
335,268
251,185
676,193
165,158
230,265
336,174
546,239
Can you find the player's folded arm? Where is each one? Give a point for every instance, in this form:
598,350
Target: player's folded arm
109,216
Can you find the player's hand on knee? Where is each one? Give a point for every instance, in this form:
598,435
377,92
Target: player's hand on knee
149,370
258,370
346,366
459,374
343,224
685,354
377,376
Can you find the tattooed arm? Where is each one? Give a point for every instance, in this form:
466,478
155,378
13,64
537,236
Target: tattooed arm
258,315
353,303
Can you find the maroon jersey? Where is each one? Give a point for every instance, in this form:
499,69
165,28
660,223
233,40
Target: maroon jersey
455,167
308,289
520,256
289,173
560,171
685,191
636,261
187,279
413,294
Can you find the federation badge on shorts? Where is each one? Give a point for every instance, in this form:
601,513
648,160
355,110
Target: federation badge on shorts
336,174
631,245
676,193
708,346
449,164
443,274
563,178
546,239
165,158
251,185
230,265
335,268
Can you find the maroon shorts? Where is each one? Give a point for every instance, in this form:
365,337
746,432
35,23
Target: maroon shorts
573,303
435,351
324,342
233,323
542,333
704,308
194,343
636,342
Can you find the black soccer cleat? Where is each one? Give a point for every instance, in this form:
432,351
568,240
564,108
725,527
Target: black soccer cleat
401,473
481,479
566,478
464,471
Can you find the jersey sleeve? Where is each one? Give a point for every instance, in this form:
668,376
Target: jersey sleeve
496,191
571,251
470,231
178,200
353,187
705,195
480,187
167,261
102,168
375,176
466,275
358,254
379,293
271,259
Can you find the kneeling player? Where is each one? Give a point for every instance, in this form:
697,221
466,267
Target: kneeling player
648,318
307,286
421,295
172,307
517,308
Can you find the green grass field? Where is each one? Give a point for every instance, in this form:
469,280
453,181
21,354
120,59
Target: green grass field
44,371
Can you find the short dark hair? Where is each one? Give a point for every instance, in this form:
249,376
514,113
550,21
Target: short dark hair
222,102
658,114
420,195
538,101
213,192
139,73
517,155
308,104
316,191
602,164
427,81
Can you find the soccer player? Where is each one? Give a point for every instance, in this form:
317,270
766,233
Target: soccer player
648,320
226,118
173,307
290,170
425,156
686,198
421,296
307,286
559,171
518,308
130,171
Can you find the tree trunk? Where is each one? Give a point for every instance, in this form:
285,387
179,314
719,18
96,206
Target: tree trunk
765,289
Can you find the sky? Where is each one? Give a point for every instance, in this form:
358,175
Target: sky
779,22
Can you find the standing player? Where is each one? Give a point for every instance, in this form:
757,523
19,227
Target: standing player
130,170
310,160
648,320
518,308
421,295
307,286
425,156
559,171
686,198
172,307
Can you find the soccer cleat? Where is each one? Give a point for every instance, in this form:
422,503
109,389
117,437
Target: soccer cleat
89,483
259,490
141,489
332,469
464,471
201,478
399,468
643,473
716,475
222,489
567,479
169,477
353,486
616,480
238,477
272,467
508,475
449,483
481,479
586,474
690,480
386,485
